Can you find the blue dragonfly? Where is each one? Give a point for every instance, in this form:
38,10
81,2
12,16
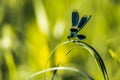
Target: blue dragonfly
77,25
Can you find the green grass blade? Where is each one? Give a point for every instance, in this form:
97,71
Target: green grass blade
54,73
60,68
96,55
53,52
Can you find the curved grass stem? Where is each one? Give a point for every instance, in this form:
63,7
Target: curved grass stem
92,51
79,43
59,68
95,55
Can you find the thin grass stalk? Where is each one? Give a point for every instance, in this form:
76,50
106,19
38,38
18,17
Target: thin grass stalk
96,55
60,68
92,51
79,43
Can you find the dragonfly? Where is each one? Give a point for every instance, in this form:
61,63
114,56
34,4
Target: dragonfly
77,25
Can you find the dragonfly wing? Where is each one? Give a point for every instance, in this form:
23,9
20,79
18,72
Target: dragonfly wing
81,37
83,21
75,18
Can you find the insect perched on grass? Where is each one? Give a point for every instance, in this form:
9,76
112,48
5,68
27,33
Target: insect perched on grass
78,25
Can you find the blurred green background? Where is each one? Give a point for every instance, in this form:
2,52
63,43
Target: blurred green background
31,29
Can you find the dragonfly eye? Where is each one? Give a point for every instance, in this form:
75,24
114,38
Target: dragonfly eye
75,18
74,31
81,37
83,21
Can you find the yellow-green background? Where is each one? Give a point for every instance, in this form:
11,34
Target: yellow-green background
31,29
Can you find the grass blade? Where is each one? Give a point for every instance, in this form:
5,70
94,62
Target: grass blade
60,68
53,52
54,73
96,55
93,52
